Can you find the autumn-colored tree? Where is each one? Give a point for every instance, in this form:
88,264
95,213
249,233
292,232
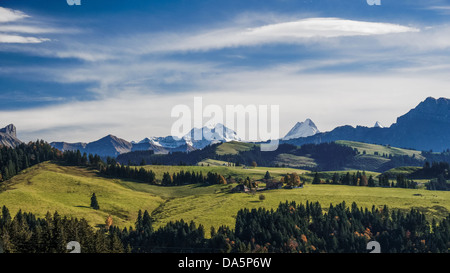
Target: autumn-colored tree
108,222
222,180
303,238
293,180
254,165
363,182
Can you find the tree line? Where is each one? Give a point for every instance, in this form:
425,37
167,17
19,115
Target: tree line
114,169
361,179
23,156
291,228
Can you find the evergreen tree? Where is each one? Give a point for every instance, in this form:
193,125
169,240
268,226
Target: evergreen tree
94,202
316,179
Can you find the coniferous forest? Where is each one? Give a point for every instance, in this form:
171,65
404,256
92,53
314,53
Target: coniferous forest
12,161
291,228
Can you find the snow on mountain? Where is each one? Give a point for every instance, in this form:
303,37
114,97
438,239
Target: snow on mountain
378,125
302,129
207,135
198,138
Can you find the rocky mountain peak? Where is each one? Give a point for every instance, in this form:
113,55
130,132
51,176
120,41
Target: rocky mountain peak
9,130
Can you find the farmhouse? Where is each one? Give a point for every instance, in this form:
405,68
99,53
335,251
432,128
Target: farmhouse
240,188
273,185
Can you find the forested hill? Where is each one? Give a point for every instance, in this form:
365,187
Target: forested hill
14,160
326,155
320,157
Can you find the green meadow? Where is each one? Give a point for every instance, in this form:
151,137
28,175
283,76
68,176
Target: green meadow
371,149
233,171
51,187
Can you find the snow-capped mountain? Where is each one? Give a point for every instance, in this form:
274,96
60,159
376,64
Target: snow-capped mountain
207,135
197,138
302,129
378,125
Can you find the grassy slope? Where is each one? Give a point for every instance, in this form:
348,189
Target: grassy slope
48,187
372,148
401,170
295,161
212,162
219,208
235,172
233,147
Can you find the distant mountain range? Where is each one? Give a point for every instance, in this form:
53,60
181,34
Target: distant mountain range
113,146
426,127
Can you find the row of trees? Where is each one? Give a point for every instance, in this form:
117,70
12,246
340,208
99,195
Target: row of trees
114,169
434,170
127,172
291,228
14,160
187,177
361,179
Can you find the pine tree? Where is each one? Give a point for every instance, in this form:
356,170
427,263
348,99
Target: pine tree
316,179
371,182
94,202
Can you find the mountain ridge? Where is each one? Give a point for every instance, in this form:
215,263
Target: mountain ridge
113,146
425,127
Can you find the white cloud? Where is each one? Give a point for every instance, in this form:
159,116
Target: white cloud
440,9
8,33
326,27
35,29
300,31
275,29
16,39
9,15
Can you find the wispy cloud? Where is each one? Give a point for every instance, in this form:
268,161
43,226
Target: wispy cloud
8,33
16,39
300,31
10,15
440,9
236,33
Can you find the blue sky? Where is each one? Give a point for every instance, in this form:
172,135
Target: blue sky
78,73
